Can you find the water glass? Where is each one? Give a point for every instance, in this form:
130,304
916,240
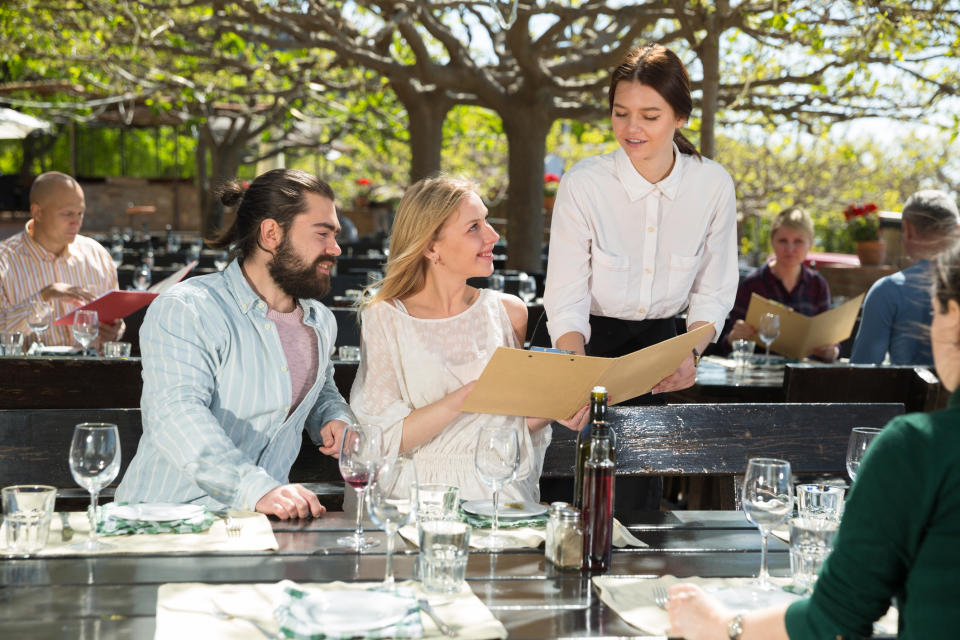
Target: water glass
860,439
527,287
768,331
811,541
444,548
116,349
438,502
94,463
767,501
11,343
497,282
392,502
141,277
39,319
497,458
820,502
349,353
86,328
27,510
742,352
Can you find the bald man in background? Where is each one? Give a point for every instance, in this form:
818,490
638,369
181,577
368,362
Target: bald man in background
50,261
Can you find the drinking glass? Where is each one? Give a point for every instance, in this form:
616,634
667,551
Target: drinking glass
741,352
392,501
39,319
116,254
94,463
527,288
86,328
767,501
860,439
221,261
497,458
360,452
11,343
142,277
496,281
768,331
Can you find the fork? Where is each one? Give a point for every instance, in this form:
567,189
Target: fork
660,596
66,531
444,628
233,527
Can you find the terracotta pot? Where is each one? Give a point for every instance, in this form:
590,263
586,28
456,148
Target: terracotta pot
548,202
871,252
361,202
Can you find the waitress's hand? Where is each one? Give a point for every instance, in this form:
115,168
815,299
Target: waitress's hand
741,331
682,378
579,420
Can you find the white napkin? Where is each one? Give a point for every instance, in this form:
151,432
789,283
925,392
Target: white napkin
525,537
186,610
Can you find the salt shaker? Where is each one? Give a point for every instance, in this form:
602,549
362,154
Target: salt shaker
564,544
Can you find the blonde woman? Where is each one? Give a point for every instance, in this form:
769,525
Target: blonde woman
427,335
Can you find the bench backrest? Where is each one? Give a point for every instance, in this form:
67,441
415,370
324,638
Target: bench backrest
718,439
916,387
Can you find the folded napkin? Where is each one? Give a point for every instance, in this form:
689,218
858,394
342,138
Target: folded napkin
483,522
256,535
189,610
623,538
525,537
112,524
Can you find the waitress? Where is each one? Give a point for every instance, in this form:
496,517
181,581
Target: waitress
642,233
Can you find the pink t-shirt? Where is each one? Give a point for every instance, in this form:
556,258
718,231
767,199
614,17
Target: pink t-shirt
300,347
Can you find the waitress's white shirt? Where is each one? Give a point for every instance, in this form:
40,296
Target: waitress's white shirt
624,248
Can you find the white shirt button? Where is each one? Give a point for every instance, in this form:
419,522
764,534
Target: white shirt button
648,270
266,326
650,229
260,304
283,368
642,310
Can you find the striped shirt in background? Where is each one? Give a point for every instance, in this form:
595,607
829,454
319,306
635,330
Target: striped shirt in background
26,268
217,395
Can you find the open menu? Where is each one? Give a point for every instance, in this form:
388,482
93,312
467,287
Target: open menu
801,334
119,304
557,385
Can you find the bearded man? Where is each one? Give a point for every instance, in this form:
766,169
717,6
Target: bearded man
236,364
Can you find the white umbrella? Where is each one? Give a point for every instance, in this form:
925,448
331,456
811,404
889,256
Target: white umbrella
15,125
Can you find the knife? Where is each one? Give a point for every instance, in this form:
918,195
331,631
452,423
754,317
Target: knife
66,531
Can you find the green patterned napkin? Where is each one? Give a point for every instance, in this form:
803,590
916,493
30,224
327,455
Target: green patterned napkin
110,524
305,620
483,522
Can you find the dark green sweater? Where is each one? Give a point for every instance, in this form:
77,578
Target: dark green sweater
900,536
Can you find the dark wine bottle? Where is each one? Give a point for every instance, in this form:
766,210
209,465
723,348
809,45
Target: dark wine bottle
598,416
598,490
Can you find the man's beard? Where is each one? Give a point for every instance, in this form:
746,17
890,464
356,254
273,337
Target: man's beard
296,279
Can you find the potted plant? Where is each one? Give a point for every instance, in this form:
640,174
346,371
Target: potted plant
550,183
362,199
863,226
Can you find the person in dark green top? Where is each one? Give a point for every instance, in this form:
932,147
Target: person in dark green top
900,533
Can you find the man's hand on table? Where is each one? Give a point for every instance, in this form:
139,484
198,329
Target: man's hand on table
332,435
290,501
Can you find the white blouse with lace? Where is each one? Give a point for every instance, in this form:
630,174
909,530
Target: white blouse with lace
409,362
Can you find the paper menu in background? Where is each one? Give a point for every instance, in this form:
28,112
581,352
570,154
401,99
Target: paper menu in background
801,334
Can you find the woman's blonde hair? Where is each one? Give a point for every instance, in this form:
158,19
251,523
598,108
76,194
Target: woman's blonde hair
793,218
421,214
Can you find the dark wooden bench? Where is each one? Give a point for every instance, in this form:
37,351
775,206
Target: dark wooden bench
34,447
702,440
916,387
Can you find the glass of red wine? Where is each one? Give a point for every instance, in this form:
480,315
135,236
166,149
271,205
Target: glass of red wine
361,450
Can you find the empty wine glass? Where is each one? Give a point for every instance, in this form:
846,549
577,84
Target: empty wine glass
860,439
116,254
94,463
361,450
39,319
527,288
767,501
221,260
497,458
768,331
142,277
86,328
392,501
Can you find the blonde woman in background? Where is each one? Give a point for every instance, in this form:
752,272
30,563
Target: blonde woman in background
427,335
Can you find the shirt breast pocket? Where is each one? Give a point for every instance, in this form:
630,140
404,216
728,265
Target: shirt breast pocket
609,279
683,271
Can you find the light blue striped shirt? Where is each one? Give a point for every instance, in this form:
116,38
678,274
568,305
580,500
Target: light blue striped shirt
216,394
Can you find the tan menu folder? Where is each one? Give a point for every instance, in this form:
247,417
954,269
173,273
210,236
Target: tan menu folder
800,334
556,385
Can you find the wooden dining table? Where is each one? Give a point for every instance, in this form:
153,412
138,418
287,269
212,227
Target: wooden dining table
115,596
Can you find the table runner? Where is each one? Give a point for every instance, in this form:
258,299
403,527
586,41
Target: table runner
186,610
255,535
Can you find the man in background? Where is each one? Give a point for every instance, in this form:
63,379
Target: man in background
50,262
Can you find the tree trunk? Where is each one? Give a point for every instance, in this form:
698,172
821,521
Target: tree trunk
526,131
426,113
225,158
709,54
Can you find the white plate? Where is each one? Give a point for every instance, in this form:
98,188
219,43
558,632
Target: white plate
508,510
751,598
157,511
336,612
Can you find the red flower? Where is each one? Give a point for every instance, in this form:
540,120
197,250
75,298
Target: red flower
855,211
551,177
364,182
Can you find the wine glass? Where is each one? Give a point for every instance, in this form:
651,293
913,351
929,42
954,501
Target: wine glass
860,439
392,501
141,277
116,254
221,261
361,450
768,331
767,501
39,319
94,463
497,458
527,288
86,328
